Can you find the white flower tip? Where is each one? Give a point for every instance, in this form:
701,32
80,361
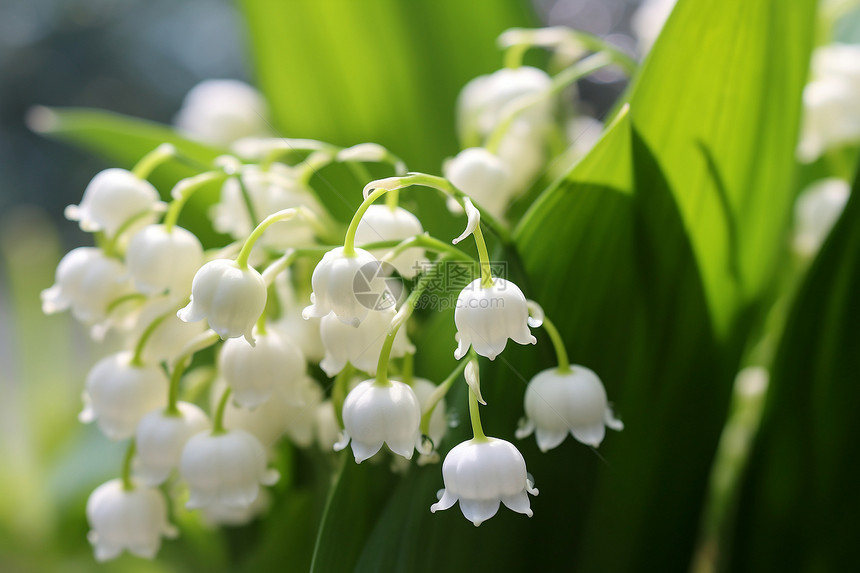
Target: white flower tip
170,531
536,314
87,415
270,477
72,213
342,442
184,314
389,183
611,421
473,379
250,338
525,428
473,219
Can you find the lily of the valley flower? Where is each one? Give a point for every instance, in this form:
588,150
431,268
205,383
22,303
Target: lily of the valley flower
225,469
118,394
348,286
487,317
86,282
159,260
112,198
375,414
222,111
253,372
161,437
121,519
360,346
382,223
483,177
558,403
169,337
481,474
229,297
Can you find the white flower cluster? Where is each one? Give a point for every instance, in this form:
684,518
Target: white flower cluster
149,283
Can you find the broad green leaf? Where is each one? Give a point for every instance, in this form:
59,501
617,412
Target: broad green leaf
718,101
798,504
122,141
384,71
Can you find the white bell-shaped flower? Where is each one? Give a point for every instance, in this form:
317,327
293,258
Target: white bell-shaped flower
483,177
265,422
481,474
374,414
160,261
348,286
816,211
225,469
220,111
161,437
558,403
523,152
360,346
118,394
326,426
269,191
170,336
253,372
485,100
216,514
86,282
230,298
305,333
134,520
112,198
382,223
487,317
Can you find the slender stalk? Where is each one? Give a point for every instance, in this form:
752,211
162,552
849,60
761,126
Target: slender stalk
175,382
247,200
484,258
440,392
558,344
127,484
475,416
514,55
218,422
408,372
427,242
183,191
349,239
282,215
399,319
153,159
121,300
137,358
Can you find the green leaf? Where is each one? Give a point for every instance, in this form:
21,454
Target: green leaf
799,503
719,101
122,141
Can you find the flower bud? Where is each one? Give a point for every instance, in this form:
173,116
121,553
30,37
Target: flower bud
222,111
121,519
118,394
224,469
360,346
86,282
483,177
348,286
558,403
374,414
230,298
481,474
160,261
160,438
253,372
113,197
487,317
382,223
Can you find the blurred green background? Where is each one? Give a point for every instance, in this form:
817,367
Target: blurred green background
662,257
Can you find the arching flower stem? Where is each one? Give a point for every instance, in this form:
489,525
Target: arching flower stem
127,484
440,392
558,345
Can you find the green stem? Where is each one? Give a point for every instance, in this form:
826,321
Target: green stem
514,55
279,266
153,159
558,344
182,193
440,392
246,199
565,78
483,258
446,187
198,343
475,415
408,372
110,245
137,359
282,215
339,391
312,164
400,319
218,422
426,242
127,484
121,300
349,239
